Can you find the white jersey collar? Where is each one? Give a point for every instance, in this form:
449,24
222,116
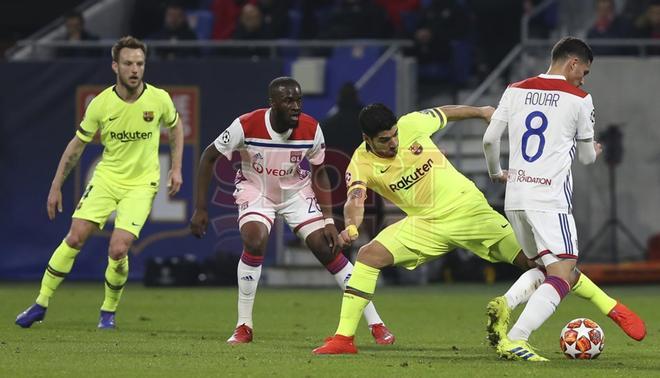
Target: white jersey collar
273,134
548,76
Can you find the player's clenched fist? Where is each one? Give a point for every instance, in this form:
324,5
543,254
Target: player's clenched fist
348,236
198,223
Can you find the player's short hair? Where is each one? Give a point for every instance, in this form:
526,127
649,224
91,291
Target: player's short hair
281,81
571,46
375,118
128,42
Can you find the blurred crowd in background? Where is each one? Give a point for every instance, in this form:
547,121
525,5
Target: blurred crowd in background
455,41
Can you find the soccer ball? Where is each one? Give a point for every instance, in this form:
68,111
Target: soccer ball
582,338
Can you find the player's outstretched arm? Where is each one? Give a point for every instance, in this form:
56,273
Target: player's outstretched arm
68,161
461,112
174,177
200,217
353,215
321,187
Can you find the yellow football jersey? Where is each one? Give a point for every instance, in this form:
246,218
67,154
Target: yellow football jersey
419,179
130,134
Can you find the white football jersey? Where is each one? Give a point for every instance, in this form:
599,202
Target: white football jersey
270,161
545,116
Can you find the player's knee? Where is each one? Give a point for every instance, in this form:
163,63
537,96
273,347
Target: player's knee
255,246
74,240
118,250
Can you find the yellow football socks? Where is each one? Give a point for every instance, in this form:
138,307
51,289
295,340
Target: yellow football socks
359,290
59,266
585,288
116,275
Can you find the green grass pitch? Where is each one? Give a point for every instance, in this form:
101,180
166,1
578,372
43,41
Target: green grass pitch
181,333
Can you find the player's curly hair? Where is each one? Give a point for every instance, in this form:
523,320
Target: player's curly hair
375,118
568,46
129,42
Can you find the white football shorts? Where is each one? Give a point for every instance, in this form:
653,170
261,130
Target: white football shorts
545,235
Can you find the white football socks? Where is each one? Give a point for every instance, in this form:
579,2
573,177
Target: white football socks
541,305
524,287
248,279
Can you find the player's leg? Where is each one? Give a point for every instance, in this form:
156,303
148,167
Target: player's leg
408,243
116,275
625,318
305,218
58,267
558,253
341,268
358,293
254,222
133,208
93,209
498,310
534,275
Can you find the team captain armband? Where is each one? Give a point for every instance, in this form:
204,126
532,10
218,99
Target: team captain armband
176,118
356,185
84,135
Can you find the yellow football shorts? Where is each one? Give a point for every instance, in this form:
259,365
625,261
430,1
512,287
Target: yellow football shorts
475,227
132,204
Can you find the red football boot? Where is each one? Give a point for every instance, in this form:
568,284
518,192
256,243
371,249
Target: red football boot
242,335
337,344
381,334
629,322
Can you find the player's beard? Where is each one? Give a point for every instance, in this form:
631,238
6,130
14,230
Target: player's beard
128,85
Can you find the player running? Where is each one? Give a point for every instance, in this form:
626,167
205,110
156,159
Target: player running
272,144
549,117
128,116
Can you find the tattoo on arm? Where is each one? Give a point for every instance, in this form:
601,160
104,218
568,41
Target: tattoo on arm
71,163
357,194
172,139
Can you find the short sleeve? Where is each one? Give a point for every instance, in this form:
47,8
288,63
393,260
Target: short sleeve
424,122
357,176
90,122
230,140
502,112
586,119
170,115
316,155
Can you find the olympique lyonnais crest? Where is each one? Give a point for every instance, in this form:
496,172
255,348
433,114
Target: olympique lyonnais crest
148,116
416,148
296,156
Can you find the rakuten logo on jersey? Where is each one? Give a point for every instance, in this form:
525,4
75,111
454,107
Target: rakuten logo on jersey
518,175
125,136
409,180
